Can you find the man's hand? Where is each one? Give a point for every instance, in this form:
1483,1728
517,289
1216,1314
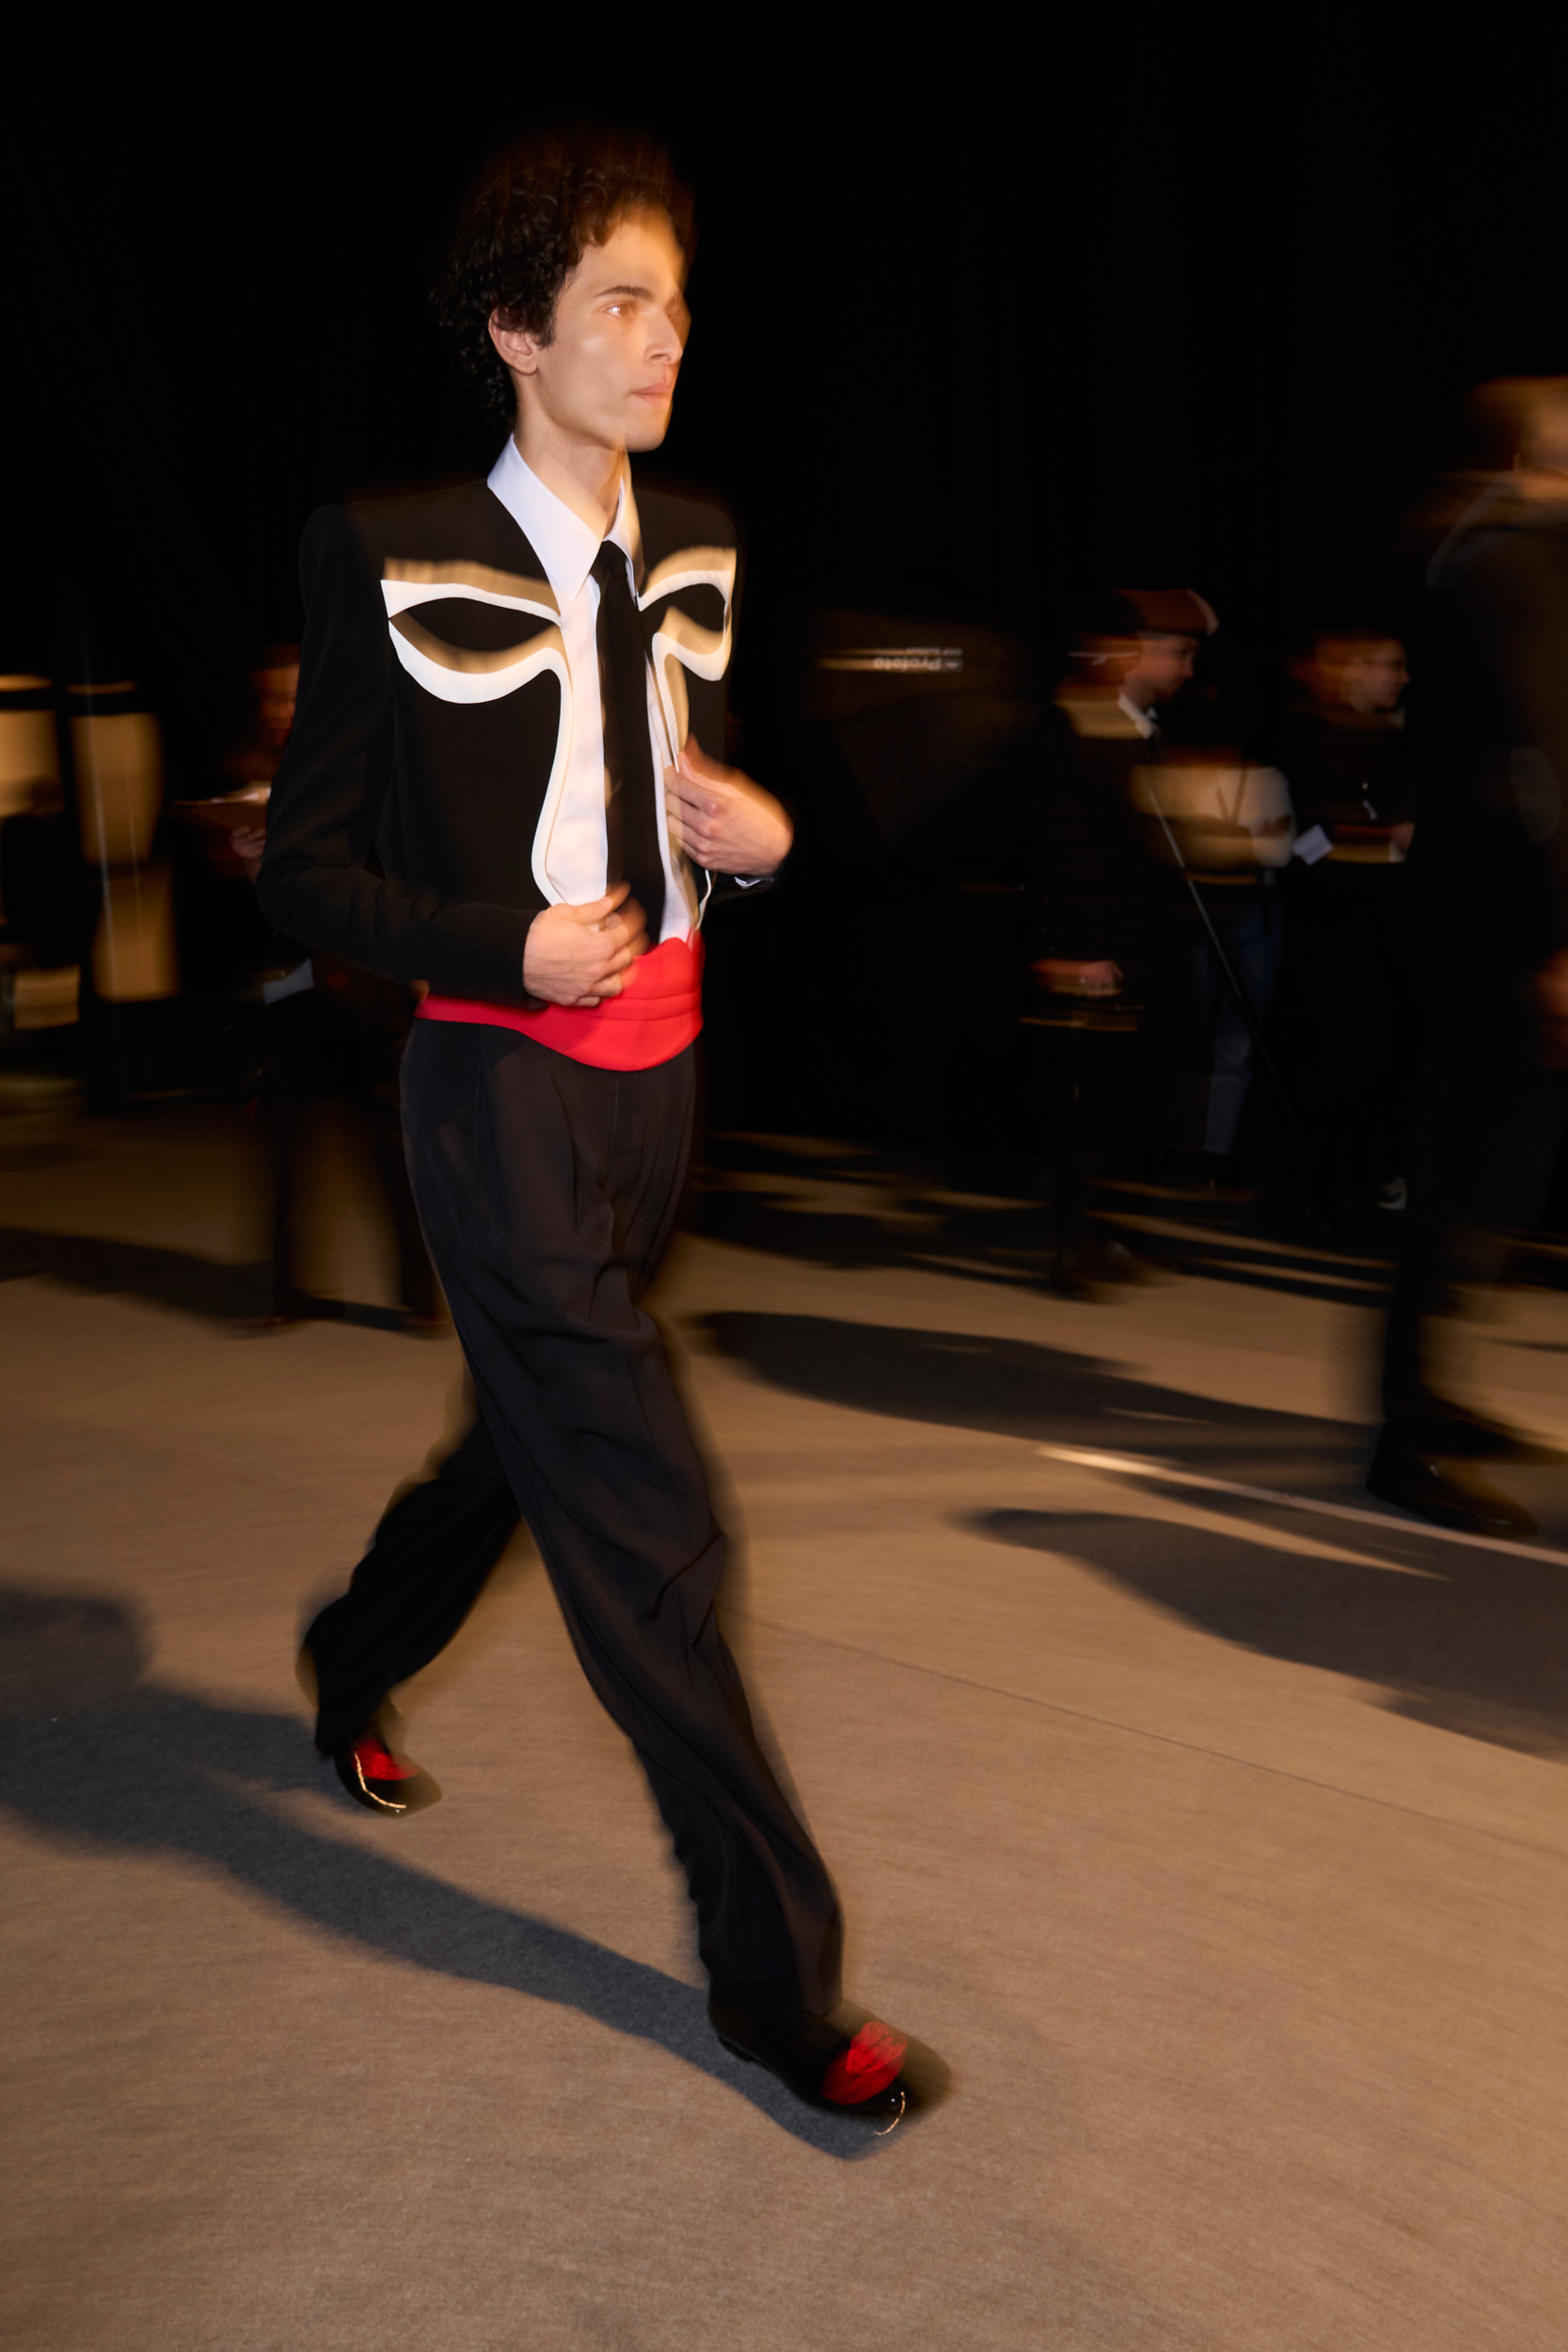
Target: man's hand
575,954
1070,975
722,820
248,846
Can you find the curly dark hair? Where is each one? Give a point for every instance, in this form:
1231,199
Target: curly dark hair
526,224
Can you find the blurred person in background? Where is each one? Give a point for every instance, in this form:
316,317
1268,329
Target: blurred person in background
494,680
1114,919
1225,819
1346,1020
1485,920
1225,822
331,1035
1230,827
224,936
253,758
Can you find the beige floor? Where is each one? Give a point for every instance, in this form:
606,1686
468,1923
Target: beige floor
1221,1850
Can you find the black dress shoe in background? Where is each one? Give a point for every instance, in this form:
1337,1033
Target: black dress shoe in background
289,1311
1447,1495
380,1777
1453,1435
860,2067
1089,1271
1071,1277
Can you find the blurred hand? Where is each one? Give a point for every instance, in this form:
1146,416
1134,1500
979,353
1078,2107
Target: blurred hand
1550,991
1068,975
248,846
722,820
577,954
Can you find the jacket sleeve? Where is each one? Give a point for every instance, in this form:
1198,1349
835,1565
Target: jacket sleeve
320,879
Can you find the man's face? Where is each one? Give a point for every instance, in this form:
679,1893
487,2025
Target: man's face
1363,674
1376,677
274,692
607,376
1163,668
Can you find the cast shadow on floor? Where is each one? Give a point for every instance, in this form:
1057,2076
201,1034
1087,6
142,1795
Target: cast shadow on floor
209,1288
853,1206
1022,1389
1469,1642
96,1755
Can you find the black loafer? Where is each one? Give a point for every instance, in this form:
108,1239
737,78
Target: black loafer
864,2068
1446,1497
381,1779
1455,1436
1075,1275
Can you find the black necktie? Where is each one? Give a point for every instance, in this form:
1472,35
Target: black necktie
631,811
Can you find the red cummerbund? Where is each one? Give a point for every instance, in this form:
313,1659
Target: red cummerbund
656,1015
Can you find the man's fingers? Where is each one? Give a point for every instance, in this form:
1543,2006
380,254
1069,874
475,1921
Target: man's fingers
688,794
596,910
629,924
693,761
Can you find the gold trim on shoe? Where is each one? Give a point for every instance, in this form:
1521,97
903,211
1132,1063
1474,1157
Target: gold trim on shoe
385,1803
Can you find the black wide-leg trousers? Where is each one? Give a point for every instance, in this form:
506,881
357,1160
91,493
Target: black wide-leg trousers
1488,1124
546,1190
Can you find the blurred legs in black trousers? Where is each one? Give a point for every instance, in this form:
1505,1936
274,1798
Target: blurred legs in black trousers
1117,1067
1487,1127
546,1190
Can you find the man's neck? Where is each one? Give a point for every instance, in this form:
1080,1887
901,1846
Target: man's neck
584,475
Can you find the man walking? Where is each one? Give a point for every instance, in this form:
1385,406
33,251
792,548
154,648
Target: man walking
494,680
1485,918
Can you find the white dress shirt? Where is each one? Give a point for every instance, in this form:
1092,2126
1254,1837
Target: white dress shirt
574,858
1141,719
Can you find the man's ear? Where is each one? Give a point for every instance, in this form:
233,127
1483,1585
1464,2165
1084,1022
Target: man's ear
519,348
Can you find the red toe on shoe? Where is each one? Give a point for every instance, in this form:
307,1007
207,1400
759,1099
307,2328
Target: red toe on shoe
377,1762
870,2063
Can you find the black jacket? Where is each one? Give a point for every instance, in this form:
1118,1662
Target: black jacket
1488,871
434,720
1105,891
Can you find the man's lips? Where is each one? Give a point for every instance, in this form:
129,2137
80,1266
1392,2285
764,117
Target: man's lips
653,391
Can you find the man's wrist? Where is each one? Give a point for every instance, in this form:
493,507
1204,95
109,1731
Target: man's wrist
531,1001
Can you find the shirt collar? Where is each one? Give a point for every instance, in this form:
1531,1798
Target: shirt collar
1140,719
564,543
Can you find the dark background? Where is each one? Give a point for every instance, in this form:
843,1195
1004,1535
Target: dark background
979,321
